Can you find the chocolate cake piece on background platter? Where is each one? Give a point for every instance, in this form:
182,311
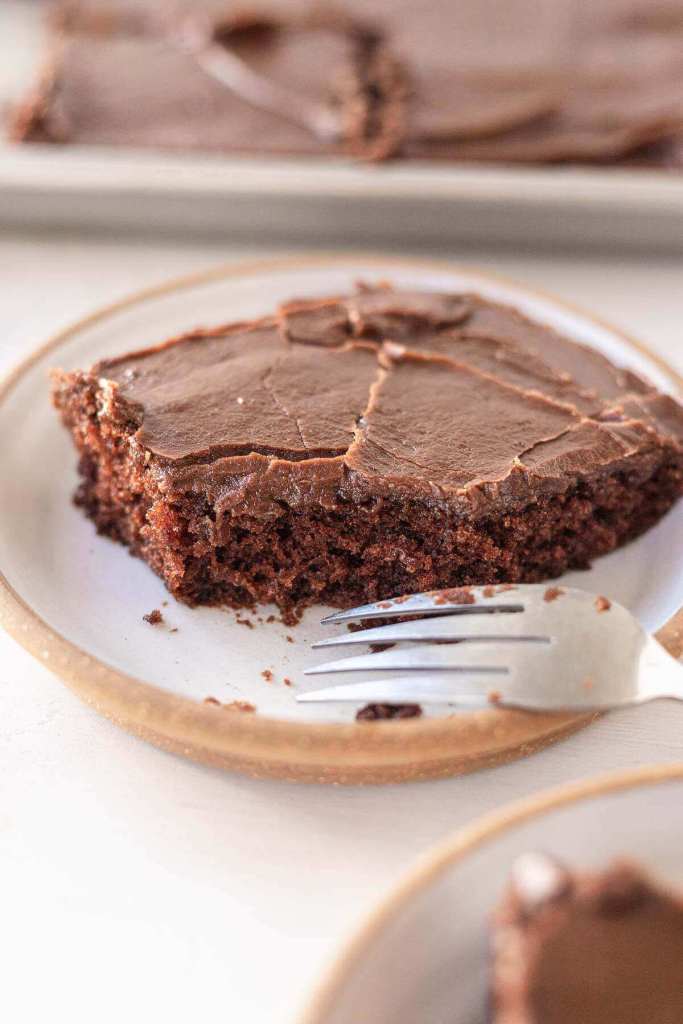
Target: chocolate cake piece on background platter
561,82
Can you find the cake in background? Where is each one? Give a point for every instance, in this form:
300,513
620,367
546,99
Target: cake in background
530,81
577,948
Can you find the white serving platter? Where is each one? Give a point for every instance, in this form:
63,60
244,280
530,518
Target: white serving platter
336,202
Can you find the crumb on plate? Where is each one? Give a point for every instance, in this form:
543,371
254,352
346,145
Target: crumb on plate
379,712
154,617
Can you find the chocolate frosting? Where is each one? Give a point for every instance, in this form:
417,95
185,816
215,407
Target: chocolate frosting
393,392
561,81
85,97
599,947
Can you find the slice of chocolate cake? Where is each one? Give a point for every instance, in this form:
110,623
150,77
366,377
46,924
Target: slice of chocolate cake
358,447
587,948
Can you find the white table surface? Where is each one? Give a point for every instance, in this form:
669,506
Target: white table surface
137,886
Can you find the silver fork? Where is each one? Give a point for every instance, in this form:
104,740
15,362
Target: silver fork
537,647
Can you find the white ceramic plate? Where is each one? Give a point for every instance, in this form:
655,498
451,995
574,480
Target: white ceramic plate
423,955
88,591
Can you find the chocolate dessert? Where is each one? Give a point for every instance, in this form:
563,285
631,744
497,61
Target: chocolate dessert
587,948
563,81
383,712
358,447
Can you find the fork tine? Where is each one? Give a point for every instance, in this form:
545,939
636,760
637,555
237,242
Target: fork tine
421,658
441,627
457,601
399,691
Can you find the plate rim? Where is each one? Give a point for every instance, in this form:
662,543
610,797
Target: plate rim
258,744
454,849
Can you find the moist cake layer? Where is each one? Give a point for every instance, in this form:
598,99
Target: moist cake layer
587,948
564,81
360,446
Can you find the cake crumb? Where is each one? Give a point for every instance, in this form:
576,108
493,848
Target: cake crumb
494,696
287,681
233,705
587,685
378,648
603,604
380,712
244,622
240,705
174,630
552,594
289,639
164,604
503,587
456,595
154,617
489,591
271,618
267,675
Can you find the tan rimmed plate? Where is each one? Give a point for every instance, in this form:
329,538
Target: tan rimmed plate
76,601
423,954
